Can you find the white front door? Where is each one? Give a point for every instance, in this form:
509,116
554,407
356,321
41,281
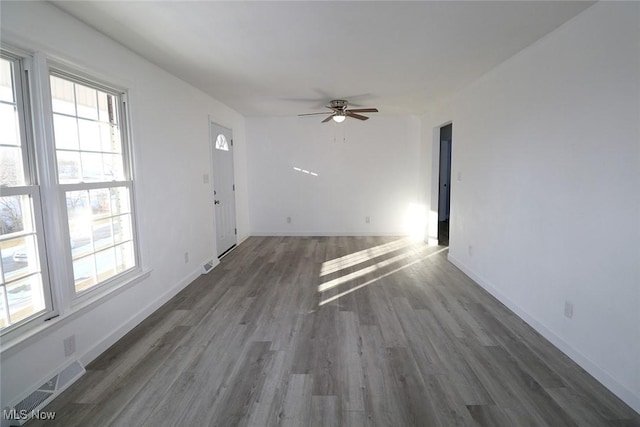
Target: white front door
223,188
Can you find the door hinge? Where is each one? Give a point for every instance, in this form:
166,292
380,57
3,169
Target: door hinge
234,187
235,231
232,142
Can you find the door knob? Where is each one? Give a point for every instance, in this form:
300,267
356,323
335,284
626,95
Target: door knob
216,202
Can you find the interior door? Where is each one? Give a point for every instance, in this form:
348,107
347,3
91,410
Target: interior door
224,199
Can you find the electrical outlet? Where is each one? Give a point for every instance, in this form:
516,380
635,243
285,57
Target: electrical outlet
69,345
205,178
288,220
367,220
470,250
568,309
459,176
186,257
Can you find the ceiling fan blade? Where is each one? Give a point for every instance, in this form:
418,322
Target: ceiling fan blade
313,114
356,116
328,118
364,110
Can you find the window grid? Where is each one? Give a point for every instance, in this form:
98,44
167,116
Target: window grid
100,252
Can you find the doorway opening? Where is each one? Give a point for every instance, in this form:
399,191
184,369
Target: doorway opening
224,198
444,187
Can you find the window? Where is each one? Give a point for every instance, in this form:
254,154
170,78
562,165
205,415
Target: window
65,179
24,285
222,143
94,175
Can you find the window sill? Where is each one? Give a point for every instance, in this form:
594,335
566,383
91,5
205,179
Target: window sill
14,345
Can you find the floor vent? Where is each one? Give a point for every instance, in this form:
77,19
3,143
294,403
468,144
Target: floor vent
29,407
207,266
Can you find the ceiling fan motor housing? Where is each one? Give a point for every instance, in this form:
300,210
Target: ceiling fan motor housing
338,104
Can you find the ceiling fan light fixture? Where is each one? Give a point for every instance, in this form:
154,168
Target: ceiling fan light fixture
339,112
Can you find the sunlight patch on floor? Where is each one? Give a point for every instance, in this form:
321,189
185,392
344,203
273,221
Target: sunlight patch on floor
369,282
356,258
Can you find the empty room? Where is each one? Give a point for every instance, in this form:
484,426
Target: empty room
319,213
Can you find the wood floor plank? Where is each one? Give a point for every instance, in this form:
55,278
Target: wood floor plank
266,411
404,338
297,404
325,411
352,380
147,398
413,399
490,416
244,388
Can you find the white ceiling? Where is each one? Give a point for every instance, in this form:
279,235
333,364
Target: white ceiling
283,58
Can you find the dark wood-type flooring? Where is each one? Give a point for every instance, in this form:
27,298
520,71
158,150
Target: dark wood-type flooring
335,331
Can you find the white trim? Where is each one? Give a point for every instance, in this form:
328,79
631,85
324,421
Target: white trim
604,378
327,233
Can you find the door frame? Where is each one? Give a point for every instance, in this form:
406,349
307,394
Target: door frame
432,221
447,199
212,181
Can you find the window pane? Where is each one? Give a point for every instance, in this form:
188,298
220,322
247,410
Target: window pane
106,264
87,100
122,228
9,127
124,257
11,168
89,135
62,96
78,205
81,243
19,257
6,81
110,139
120,200
222,143
102,234
80,216
66,132
84,273
92,167
68,166
100,202
103,107
113,168
15,214
25,297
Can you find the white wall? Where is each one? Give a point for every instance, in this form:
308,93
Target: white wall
169,122
548,146
364,169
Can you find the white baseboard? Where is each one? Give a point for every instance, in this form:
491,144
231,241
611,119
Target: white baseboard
604,378
326,234
134,320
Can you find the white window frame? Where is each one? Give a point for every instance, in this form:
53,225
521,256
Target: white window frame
22,64
49,201
63,71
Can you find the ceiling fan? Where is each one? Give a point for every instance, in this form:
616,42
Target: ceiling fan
339,112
